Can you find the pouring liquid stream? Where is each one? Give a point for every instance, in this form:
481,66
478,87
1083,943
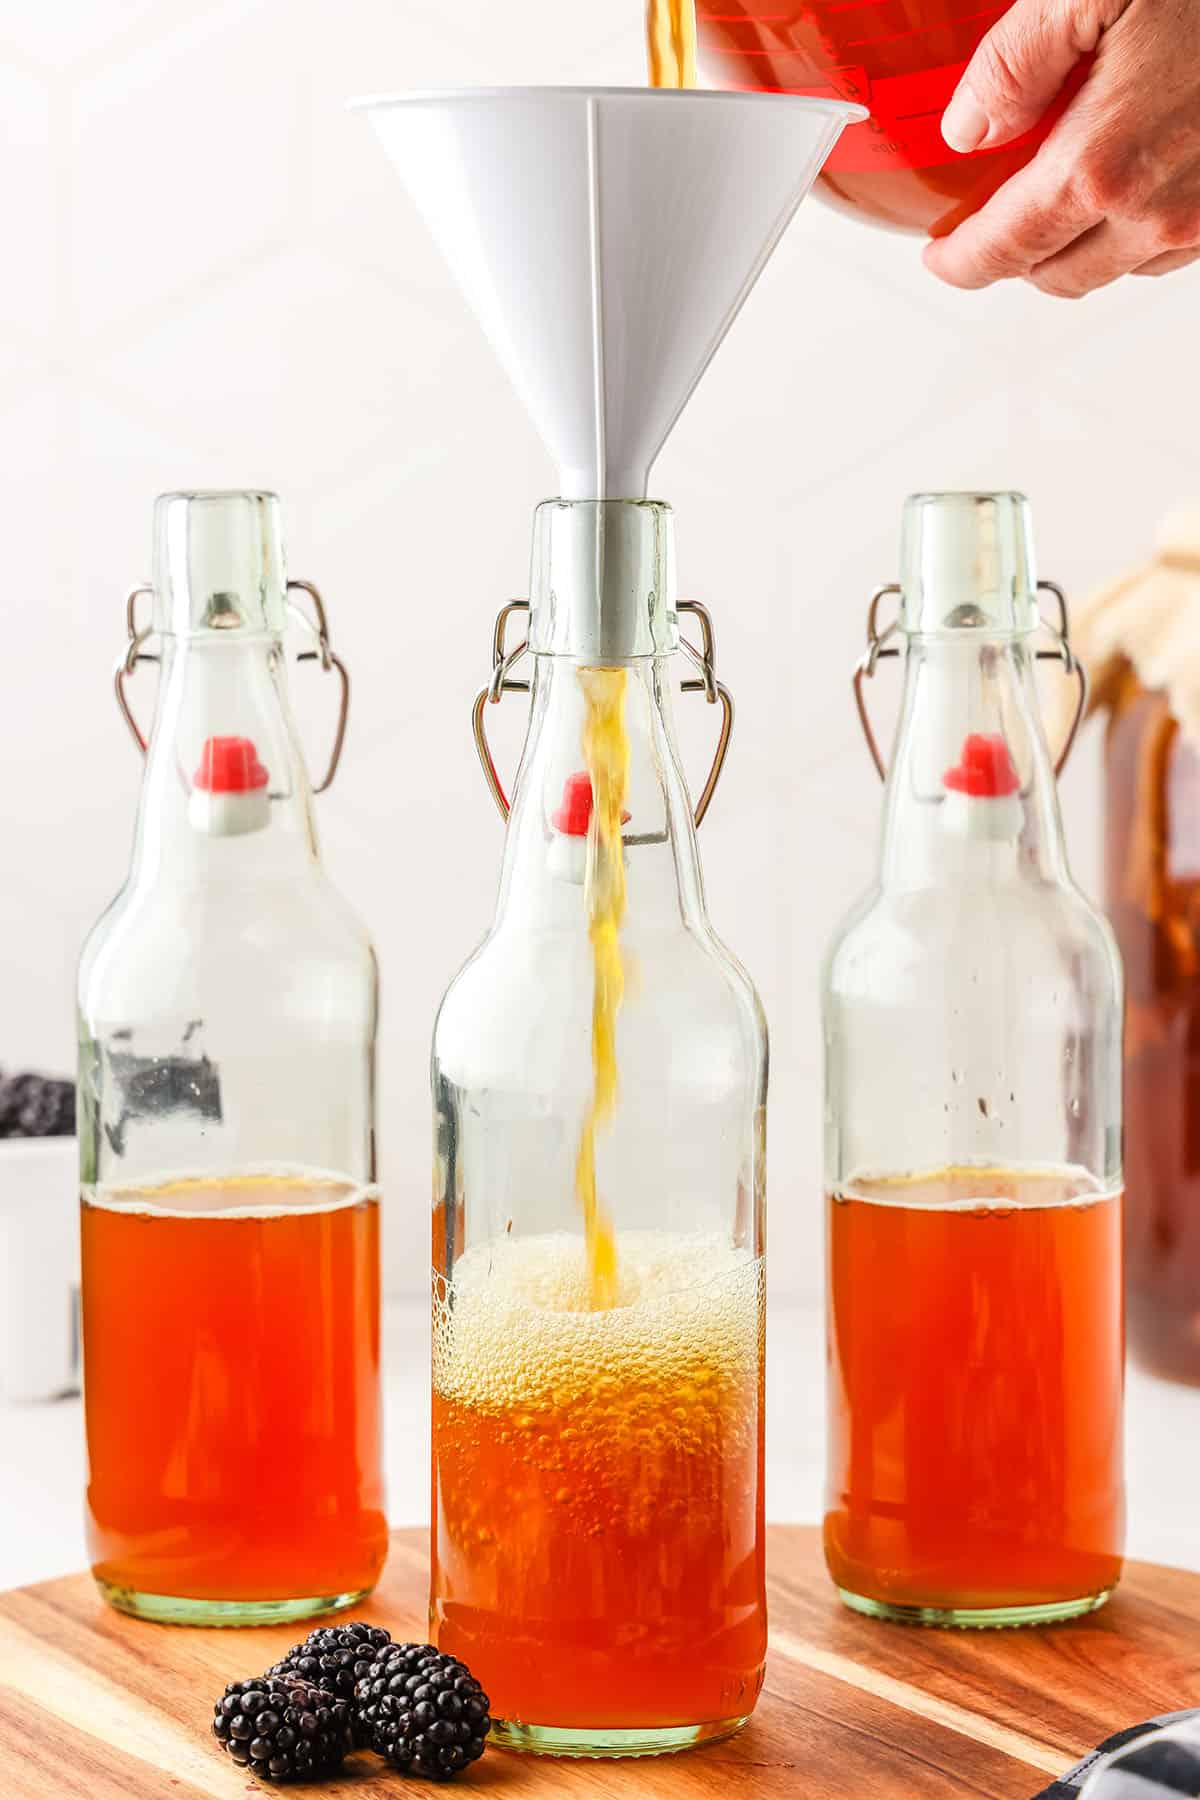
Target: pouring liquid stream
671,42
606,757
671,47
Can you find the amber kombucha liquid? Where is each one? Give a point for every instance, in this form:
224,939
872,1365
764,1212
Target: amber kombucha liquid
671,42
976,1351
606,753
231,1344
598,1540
1153,892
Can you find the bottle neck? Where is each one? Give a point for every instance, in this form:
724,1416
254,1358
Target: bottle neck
195,821
543,873
961,688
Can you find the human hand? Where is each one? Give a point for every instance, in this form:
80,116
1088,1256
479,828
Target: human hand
1115,188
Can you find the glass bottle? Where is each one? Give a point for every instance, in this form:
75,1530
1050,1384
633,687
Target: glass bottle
227,1016
599,1205
972,1024
896,169
1139,635
1152,770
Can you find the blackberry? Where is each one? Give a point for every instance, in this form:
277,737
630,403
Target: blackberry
336,1658
36,1106
423,1711
281,1729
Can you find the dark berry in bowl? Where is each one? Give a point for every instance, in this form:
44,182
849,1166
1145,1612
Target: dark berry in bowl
36,1106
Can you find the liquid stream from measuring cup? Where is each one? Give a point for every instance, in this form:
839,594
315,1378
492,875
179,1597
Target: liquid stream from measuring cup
606,757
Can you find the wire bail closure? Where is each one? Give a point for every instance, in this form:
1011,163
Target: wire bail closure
128,662
879,647
135,653
504,661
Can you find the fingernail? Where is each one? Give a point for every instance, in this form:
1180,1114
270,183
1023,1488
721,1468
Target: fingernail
964,122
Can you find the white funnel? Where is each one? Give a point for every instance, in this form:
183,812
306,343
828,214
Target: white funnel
607,239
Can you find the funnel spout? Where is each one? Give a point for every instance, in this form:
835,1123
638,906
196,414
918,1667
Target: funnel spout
607,239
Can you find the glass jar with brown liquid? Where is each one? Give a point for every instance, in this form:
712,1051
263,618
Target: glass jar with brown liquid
1143,653
902,59
973,1114
1152,862
599,1072
230,1217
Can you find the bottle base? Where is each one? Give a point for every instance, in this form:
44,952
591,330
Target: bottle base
585,1741
169,1609
976,1618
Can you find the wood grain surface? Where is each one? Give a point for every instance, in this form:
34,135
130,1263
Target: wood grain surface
97,1705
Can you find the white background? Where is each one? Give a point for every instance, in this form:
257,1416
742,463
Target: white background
211,277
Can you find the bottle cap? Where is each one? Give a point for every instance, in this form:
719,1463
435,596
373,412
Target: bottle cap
967,564
230,765
574,816
983,793
985,771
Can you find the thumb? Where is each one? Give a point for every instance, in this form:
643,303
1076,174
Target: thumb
1019,68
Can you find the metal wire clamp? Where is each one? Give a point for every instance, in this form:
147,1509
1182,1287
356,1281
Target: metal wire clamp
504,661
324,653
330,662
132,656
878,647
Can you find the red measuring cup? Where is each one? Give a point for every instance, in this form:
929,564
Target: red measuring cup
903,60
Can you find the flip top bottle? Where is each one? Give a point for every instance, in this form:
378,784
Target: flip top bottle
599,1066
227,1015
599,1072
972,1026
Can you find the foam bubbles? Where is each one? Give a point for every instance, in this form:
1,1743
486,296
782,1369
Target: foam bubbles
264,1192
513,1327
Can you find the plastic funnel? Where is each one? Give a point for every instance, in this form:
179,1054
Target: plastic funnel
607,239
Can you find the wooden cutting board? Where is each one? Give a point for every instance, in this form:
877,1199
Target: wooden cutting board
93,1704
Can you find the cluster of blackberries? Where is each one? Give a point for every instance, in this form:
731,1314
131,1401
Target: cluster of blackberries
36,1106
423,1711
336,1658
282,1730
350,1687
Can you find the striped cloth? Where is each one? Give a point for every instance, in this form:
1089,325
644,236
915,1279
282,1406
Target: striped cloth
1155,1766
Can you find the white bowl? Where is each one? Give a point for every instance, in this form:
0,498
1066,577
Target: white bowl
39,1268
